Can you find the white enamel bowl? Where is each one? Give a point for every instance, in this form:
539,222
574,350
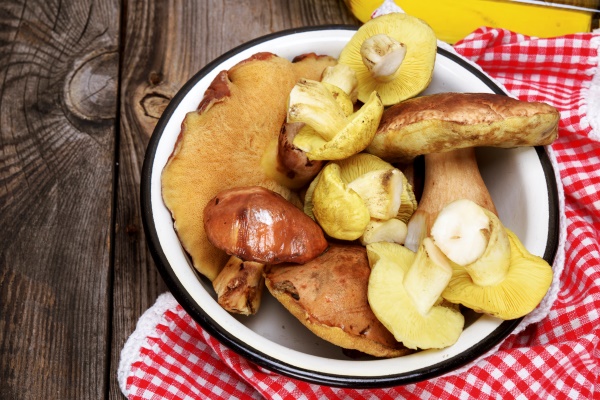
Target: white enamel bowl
273,338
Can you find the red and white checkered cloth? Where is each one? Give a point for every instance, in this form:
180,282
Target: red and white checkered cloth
170,356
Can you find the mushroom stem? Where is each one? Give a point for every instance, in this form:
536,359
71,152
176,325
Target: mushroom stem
427,276
381,191
382,55
312,103
393,230
343,77
239,286
475,238
449,176
462,231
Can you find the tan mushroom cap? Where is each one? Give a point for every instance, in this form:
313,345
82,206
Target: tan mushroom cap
329,296
525,285
221,145
415,72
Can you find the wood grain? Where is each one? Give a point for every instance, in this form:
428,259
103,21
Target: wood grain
166,42
82,86
58,70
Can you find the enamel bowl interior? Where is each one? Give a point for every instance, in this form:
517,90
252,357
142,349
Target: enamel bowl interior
521,182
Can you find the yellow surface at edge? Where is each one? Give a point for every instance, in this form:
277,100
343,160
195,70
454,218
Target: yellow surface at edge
452,20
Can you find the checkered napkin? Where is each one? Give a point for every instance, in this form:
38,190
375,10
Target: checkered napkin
554,354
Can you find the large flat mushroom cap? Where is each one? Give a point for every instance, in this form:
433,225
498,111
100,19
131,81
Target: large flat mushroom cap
221,144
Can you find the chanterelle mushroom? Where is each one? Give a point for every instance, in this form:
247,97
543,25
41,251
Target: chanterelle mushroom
392,54
501,277
404,293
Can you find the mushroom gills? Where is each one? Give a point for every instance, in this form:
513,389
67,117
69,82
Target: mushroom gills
412,324
392,54
506,281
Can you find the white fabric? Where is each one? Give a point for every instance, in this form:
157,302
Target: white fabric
145,329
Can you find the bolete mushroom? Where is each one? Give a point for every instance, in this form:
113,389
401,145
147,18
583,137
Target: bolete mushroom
449,176
493,273
257,224
334,135
329,296
392,54
222,143
404,293
448,121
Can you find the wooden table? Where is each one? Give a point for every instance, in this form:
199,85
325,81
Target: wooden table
82,85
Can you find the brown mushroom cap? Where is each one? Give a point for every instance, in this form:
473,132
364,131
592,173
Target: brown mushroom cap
257,224
448,121
329,296
222,144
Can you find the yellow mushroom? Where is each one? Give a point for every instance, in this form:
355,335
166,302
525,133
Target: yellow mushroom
500,278
333,135
344,78
404,293
339,210
393,230
392,54
383,190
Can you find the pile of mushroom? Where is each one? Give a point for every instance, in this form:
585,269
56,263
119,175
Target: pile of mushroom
344,153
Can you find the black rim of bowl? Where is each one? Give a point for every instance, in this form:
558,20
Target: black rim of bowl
270,363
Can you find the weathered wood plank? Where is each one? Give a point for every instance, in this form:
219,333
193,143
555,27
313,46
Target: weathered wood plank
58,86
166,42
